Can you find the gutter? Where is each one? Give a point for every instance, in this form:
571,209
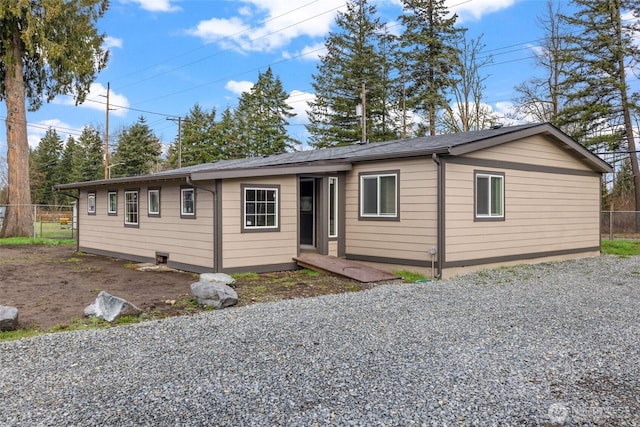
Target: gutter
440,216
215,220
78,216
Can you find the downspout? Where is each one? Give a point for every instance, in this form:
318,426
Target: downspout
439,251
78,219
215,236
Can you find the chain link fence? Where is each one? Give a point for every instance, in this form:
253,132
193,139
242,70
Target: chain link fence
620,225
50,221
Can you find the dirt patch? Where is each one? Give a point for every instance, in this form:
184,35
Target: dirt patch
51,285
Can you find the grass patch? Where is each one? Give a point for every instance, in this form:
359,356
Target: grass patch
310,273
623,248
36,241
410,276
248,276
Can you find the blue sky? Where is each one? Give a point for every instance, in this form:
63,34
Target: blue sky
167,55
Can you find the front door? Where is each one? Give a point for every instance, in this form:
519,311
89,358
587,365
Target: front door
308,211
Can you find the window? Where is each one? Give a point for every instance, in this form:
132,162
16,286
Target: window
489,195
153,198
260,208
91,203
187,202
131,207
112,203
379,195
333,206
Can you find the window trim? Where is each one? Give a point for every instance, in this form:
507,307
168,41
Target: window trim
91,210
378,217
243,208
332,207
488,217
183,214
109,211
149,212
126,206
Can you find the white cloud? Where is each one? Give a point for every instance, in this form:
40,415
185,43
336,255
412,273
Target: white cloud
36,131
156,5
266,25
110,42
476,9
308,53
298,101
239,87
96,100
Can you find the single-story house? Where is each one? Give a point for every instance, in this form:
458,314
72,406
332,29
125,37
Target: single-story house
443,204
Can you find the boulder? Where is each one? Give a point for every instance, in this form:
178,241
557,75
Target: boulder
217,278
8,318
109,307
215,294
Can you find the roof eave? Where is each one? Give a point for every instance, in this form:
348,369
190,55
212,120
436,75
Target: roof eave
123,180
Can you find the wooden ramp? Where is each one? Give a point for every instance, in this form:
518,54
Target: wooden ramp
343,267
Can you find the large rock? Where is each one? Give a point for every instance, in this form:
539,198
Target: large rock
215,294
8,318
217,278
109,307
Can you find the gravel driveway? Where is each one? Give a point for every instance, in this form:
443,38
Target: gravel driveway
551,344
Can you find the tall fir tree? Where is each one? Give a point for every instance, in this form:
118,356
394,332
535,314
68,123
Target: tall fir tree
44,170
138,151
89,155
356,68
431,54
67,168
47,47
198,142
262,116
599,100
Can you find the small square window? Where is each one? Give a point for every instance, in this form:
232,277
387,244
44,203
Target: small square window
379,195
91,203
153,202
260,211
112,203
489,196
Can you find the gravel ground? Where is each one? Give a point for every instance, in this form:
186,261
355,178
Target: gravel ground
551,344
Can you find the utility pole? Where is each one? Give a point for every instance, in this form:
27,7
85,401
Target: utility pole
179,120
363,95
106,138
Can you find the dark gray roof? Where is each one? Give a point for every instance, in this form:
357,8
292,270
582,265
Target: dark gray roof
449,144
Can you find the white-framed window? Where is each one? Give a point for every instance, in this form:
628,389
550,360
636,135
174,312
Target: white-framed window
187,202
91,203
131,207
260,208
489,195
379,195
333,206
112,202
153,202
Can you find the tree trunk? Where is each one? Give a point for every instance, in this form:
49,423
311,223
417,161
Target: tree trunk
17,221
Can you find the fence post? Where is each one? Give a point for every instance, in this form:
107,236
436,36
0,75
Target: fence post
610,225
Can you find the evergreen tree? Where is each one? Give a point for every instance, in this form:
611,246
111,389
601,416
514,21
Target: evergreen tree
599,102
199,142
357,65
89,155
228,134
262,116
431,55
67,168
47,47
138,151
44,170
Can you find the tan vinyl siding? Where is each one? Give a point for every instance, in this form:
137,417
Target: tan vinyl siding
543,212
333,248
258,248
536,150
415,233
186,241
